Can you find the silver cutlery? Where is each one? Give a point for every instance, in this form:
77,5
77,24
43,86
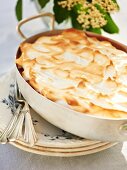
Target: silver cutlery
21,124
7,130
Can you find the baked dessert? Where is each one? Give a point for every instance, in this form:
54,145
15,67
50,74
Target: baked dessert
80,72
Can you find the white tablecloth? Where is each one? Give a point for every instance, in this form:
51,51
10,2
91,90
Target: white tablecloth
12,158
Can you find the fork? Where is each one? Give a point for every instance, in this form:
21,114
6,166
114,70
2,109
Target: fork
29,133
4,134
22,116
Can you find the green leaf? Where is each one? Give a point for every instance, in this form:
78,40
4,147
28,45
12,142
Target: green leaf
74,22
42,3
114,1
110,27
95,30
61,14
74,15
77,8
18,10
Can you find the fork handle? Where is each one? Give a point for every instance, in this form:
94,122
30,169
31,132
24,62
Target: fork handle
4,135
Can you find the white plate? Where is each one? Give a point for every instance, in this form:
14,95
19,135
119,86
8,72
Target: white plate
51,140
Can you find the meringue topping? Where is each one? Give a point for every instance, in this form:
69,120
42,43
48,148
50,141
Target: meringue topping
86,74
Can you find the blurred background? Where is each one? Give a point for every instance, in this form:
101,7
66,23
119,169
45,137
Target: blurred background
9,38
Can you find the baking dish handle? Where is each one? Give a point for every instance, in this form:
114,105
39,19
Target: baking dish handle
32,18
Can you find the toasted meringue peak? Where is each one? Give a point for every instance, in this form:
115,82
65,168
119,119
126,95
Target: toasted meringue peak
81,72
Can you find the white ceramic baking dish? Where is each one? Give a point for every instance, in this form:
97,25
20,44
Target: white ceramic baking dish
83,125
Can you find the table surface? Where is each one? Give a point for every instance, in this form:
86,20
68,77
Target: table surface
12,158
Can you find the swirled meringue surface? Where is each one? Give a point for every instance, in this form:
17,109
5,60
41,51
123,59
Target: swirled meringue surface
81,72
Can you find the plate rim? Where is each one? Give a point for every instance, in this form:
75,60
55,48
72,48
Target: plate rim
61,148
46,152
